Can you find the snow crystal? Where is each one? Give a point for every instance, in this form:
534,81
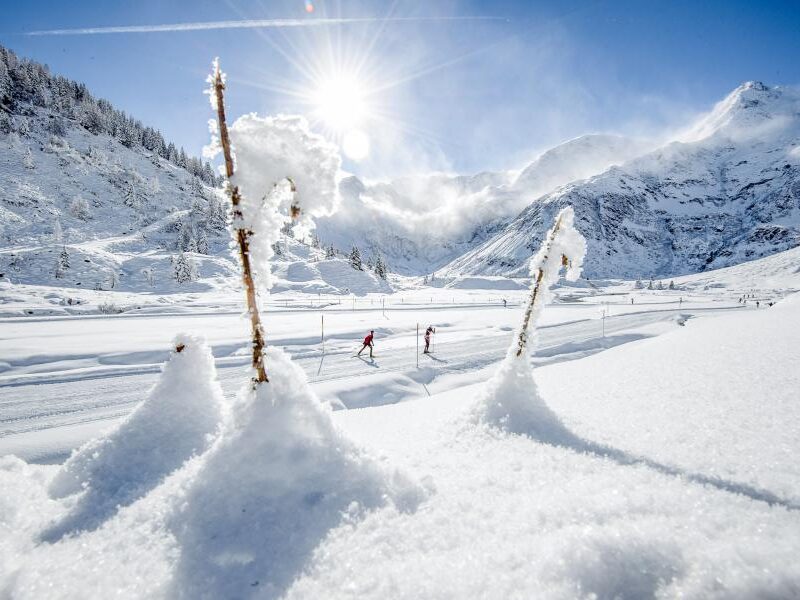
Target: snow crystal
279,477
281,166
176,421
511,399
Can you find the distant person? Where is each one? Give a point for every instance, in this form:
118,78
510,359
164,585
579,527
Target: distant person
505,304
428,333
631,301
758,304
368,343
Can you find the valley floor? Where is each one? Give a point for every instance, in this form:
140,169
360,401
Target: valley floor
681,478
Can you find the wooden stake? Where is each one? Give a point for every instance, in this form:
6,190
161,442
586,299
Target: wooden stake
242,236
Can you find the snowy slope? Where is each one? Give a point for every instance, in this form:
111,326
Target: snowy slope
727,191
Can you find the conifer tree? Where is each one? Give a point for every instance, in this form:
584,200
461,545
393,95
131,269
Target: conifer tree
202,242
355,259
380,267
183,269
62,263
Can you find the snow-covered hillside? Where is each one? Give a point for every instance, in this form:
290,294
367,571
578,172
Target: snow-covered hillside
91,198
728,191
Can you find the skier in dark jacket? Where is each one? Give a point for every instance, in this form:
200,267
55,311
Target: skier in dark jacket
428,333
368,343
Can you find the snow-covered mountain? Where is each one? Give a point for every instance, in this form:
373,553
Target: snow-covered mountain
78,177
726,191
419,223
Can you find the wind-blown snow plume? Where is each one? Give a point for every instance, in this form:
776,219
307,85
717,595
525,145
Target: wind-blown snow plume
511,399
176,421
278,478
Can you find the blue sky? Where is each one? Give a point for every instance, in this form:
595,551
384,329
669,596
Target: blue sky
458,95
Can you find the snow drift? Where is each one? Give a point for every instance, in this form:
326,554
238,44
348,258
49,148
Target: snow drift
279,477
176,421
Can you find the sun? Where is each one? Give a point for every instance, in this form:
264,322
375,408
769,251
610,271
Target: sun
340,102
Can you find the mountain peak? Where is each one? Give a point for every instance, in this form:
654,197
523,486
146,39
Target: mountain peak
751,104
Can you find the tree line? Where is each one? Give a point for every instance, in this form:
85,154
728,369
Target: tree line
24,81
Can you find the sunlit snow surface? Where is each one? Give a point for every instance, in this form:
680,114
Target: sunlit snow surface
674,471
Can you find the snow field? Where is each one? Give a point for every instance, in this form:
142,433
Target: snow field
637,481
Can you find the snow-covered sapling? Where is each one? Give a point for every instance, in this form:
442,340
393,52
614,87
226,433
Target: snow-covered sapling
284,174
511,399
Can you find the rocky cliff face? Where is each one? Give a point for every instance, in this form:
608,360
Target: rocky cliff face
727,191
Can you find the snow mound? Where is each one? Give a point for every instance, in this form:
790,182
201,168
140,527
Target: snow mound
485,283
511,399
276,481
330,276
178,420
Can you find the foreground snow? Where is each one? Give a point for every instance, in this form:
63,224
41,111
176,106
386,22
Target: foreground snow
677,476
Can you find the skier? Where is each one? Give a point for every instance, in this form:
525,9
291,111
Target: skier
505,304
428,333
368,343
758,304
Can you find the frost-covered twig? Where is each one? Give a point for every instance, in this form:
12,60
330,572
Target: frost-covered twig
242,233
511,399
564,246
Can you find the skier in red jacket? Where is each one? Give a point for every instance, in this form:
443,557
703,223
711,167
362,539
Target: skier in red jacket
367,342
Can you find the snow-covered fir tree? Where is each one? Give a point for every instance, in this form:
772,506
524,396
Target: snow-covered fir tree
183,269
355,259
330,252
671,285
202,242
650,285
380,267
129,197
79,208
113,279
62,263
638,285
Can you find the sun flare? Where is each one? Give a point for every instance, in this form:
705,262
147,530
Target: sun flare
340,102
